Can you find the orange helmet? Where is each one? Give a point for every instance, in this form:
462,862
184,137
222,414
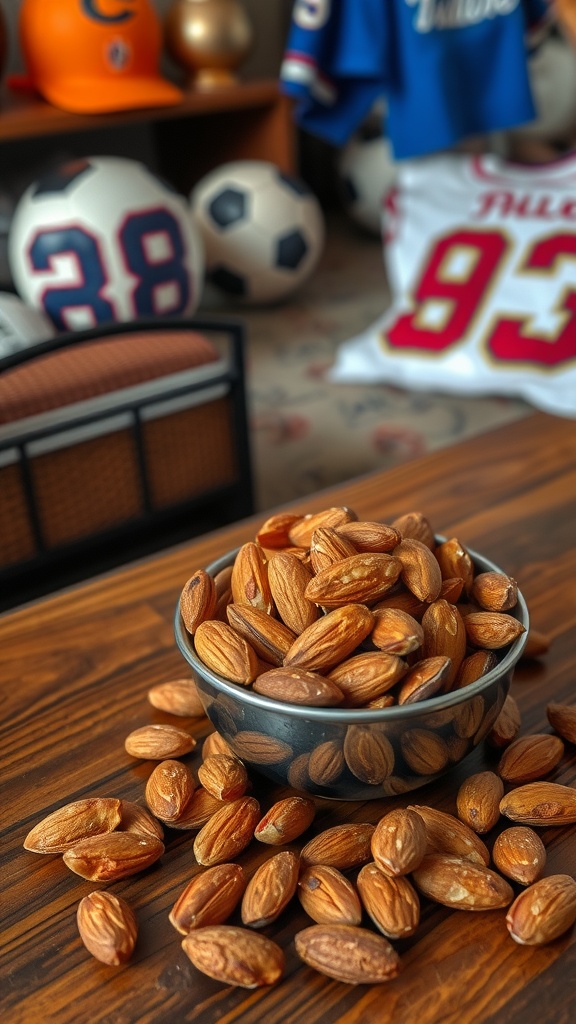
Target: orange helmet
93,56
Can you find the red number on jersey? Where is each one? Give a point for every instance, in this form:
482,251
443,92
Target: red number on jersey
511,343
453,284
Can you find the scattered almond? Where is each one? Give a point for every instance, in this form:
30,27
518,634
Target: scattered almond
108,927
169,789
519,853
391,902
234,956
348,953
107,858
209,898
543,911
478,801
399,841
530,757
342,846
540,803
285,820
227,832
158,742
177,697
270,889
461,884
328,897
224,777
562,718
66,826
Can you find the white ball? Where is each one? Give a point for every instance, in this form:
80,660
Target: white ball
552,72
21,326
102,240
263,230
366,172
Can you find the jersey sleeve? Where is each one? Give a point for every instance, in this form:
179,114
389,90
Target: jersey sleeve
335,63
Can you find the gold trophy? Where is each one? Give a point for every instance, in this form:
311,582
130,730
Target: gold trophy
209,39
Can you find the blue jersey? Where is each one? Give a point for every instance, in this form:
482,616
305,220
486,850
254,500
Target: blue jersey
448,69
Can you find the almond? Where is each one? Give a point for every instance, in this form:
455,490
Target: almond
249,580
331,639
362,578
257,748
399,841
426,678
197,600
285,820
543,911
227,832
107,927
519,853
297,685
461,884
224,777
492,630
473,667
494,591
215,744
447,834
66,826
562,718
540,803
366,676
158,742
417,526
169,789
347,953
136,818
507,725
107,858
420,570
177,697
201,806
478,801
300,534
325,763
370,536
270,638
234,956
424,751
275,531
444,634
328,897
327,547
455,560
396,632
224,651
530,757
342,846
209,898
288,578
391,902
402,599
270,889
368,753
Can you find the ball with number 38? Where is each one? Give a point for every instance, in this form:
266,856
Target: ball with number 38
103,239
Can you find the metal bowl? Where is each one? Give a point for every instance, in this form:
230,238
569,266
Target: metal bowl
305,747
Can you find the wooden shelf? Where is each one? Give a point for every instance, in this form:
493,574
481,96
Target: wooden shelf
25,115
249,120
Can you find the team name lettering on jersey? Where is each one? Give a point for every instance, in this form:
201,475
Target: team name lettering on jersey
438,14
536,205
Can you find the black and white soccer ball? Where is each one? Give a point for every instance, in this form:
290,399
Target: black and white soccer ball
366,174
103,239
263,230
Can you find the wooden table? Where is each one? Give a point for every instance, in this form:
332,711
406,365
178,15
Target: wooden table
75,670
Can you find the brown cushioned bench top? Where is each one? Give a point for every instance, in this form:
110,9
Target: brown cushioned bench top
99,367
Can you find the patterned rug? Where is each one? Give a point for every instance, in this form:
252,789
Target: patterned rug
308,433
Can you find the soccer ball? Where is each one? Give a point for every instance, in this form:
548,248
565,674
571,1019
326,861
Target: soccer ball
20,326
102,239
263,230
366,173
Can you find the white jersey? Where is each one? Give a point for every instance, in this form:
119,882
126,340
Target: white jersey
481,261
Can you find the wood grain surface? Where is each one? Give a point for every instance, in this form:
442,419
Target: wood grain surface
75,670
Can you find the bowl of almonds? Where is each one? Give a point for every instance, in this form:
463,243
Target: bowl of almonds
349,659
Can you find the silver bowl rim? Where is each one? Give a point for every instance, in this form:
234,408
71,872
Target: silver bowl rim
356,716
